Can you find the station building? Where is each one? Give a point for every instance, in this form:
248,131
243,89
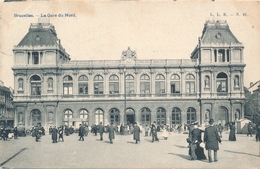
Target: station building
51,89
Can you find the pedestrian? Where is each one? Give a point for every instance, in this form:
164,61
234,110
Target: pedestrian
50,130
146,130
37,133
67,131
54,133
232,133
154,132
101,130
179,128
211,139
220,129
257,136
111,133
81,133
121,129
61,133
86,130
136,133
195,151
165,133
4,134
250,129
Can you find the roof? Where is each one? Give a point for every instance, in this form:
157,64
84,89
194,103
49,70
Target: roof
217,32
40,34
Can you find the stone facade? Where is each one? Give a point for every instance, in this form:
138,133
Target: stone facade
51,89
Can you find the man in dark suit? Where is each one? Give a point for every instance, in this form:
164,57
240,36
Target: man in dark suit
211,139
154,132
101,130
81,133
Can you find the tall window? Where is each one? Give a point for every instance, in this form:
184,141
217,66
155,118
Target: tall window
68,114
191,115
35,85
190,83
130,87
83,84
36,118
99,116
113,84
146,116
98,84
35,57
175,83
144,84
114,116
67,85
159,84
161,116
222,83
176,116
83,115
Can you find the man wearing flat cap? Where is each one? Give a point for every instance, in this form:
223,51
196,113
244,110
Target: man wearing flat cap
211,139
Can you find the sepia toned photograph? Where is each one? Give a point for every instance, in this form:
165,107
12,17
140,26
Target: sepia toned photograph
129,84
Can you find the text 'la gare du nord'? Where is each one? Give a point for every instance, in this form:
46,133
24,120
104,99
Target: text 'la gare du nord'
46,15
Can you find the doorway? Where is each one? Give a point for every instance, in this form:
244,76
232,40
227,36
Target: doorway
130,118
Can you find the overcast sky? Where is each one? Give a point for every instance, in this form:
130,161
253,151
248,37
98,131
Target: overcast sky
155,30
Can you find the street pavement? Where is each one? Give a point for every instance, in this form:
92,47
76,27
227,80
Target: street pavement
24,152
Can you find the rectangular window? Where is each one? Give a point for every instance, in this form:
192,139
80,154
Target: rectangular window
67,88
35,57
36,89
145,87
114,87
130,87
98,88
159,87
190,87
175,87
83,88
221,86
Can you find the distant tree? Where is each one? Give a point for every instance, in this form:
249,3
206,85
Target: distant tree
249,105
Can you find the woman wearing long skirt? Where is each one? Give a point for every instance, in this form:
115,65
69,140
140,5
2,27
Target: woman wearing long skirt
232,133
165,133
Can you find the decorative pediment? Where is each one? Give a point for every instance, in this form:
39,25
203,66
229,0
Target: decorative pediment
128,55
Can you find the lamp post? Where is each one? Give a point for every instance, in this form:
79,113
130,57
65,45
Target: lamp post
124,95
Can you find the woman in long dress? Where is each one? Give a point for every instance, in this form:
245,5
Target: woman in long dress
165,133
232,133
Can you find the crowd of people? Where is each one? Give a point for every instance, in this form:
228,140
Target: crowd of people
198,138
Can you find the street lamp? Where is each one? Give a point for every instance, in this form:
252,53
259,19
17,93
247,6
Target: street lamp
124,94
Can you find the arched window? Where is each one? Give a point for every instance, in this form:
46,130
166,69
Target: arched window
190,83
36,118
175,83
83,115
161,116
130,85
67,85
35,85
130,116
113,84
114,116
191,115
176,116
99,116
159,84
146,116
83,84
144,84
222,83
20,84
98,84
68,114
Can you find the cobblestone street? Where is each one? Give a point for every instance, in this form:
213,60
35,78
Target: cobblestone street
124,153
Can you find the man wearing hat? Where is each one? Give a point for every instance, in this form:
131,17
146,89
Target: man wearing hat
154,132
211,139
136,133
101,130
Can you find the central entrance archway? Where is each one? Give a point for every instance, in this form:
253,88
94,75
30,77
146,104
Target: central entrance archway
222,116
36,118
130,116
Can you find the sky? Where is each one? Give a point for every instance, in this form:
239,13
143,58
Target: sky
154,29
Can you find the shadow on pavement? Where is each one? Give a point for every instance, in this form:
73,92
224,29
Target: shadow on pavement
131,142
187,157
3,163
148,140
181,146
241,153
